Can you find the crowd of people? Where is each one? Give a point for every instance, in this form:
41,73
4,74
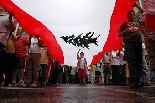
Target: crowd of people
26,61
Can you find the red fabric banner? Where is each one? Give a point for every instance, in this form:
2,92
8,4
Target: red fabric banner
35,27
150,14
150,22
119,16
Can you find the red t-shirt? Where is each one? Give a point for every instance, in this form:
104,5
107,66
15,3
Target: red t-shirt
20,46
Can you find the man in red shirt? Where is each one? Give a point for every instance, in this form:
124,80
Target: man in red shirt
20,48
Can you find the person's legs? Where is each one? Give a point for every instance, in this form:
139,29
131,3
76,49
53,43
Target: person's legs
80,76
144,72
114,73
21,68
122,75
1,48
117,74
133,53
84,76
109,73
35,66
28,72
102,74
92,77
42,73
21,73
150,47
138,49
10,66
58,78
105,74
2,59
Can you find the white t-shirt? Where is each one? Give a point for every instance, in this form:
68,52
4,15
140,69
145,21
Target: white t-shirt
122,62
114,59
34,47
82,63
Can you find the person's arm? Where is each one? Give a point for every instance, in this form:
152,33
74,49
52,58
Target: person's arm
78,54
40,42
142,10
86,63
29,41
122,31
11,24
143,30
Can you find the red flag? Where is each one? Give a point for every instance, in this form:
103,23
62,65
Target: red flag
117,18
35,27
150,14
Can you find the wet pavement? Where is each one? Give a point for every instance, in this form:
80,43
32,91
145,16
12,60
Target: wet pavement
68,93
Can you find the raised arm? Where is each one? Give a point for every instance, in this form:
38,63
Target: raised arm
142,10
78,53
11,24
14,34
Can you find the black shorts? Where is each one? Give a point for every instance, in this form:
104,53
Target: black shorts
21,62
11,61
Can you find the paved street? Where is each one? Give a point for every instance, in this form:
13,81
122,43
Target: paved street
67,93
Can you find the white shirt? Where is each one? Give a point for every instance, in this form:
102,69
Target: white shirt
122,62
114,59
34,47
82,63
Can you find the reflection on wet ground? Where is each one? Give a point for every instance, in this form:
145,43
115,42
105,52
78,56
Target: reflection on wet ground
77,94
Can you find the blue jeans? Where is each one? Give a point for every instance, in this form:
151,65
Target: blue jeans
42,73
133,52
152,74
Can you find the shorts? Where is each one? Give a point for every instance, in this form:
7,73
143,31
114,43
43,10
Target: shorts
81,73
21,62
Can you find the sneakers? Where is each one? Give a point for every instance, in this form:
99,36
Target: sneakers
34,85
14,84
21,83
28,84
9,85
84,83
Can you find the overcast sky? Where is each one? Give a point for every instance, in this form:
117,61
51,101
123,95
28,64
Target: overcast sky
67,17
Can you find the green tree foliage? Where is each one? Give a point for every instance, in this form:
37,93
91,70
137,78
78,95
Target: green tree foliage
80,40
